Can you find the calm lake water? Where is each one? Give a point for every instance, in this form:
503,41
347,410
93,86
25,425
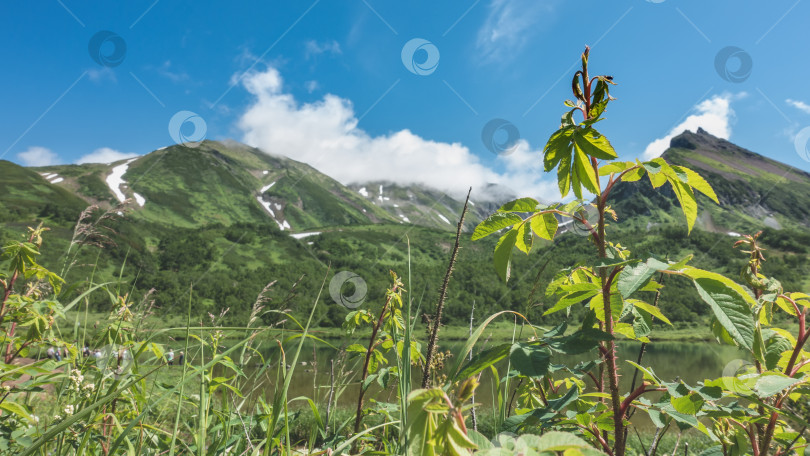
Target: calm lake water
689,361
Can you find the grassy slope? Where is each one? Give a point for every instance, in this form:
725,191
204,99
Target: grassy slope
203,225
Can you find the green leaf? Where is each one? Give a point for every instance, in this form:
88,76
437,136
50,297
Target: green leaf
579,342
729,302
495,223
483,360
556,441
689,404
634,277
579,293
770,384
616,305
592,143
585,173
530,360
634,175
564,177
557,148
697,182
524,238
17,409
614,167
649,309
545,226
688,202
642,323
503,254
520,205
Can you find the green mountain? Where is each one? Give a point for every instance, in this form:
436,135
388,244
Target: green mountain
754,191
228,219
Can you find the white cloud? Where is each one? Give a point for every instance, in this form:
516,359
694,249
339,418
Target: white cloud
311,86
325,135
105,155
713,115
508,27
38,156
800,105
314,48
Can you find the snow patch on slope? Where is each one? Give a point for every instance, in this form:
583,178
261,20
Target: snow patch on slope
444,218
116,179
139,199
305,235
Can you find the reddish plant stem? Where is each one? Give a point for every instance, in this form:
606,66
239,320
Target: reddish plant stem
600,439
610,356
6,294
635,394
790,371
370,350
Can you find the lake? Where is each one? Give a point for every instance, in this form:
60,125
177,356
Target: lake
320,366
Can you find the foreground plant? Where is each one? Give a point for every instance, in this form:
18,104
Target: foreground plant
610,284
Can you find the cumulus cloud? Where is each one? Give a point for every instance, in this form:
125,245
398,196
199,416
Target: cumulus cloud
800,105
38,156
508,26
713,115
105,155
325,134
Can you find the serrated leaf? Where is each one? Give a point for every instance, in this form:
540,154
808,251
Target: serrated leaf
697,182
564,176
585,173
729,303
770,384
614,167
520,205
524,238
530,360
592,143
483,360
545,226
649,309
557,148
687,200
634,277
495,223
577,295
503,254
634,175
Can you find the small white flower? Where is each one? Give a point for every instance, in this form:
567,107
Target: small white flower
36,418
69,410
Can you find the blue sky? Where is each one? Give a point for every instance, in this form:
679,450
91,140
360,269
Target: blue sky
324,81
